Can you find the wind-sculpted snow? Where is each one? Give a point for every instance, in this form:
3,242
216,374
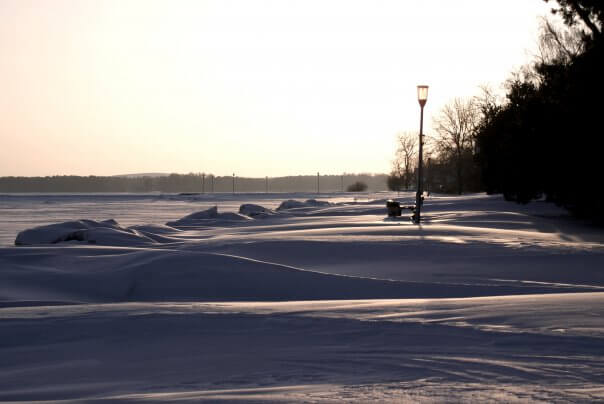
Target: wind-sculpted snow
107,232
291,204
485,301
309,203
255,211
537,348
450,255
209,217
117,275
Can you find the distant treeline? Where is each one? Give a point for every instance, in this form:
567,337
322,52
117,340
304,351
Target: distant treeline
190,183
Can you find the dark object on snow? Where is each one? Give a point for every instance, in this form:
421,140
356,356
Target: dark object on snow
358,186
394,208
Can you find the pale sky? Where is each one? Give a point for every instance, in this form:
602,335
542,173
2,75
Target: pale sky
253,87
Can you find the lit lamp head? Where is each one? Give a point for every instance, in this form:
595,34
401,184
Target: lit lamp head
422,95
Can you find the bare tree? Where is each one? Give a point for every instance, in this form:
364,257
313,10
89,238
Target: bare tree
406,153
455,127
559,44
488,104
589,12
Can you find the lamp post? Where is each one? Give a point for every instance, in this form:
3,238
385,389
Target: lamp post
233,182
429,175
422,97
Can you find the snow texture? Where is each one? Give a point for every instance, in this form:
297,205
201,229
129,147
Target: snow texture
321,301
294,204
208,217
255,211
106,232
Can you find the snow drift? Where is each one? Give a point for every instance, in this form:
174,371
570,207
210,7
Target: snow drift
117,275
107,232
309,203
225,307
209,217
255,211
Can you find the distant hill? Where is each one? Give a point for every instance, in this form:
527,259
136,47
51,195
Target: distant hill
140,175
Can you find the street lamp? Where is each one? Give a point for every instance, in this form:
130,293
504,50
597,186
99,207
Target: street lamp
422,97
429,175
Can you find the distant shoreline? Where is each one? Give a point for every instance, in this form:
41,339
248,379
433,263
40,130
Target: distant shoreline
189,183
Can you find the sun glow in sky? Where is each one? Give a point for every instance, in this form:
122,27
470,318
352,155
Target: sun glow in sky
247,86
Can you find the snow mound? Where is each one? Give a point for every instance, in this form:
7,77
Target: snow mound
107,232
309,203
232,216
211,213
290,204
208,217
315,202
165,275
255,211
155,228
158,232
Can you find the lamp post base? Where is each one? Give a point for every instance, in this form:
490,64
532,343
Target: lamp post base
419,203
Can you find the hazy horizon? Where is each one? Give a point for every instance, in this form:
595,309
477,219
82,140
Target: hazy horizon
208,173
252,87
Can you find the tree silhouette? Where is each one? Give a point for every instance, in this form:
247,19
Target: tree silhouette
405,158
589,12
455,126
546,137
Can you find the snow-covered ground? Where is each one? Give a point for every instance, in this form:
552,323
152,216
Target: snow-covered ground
174,301
20,211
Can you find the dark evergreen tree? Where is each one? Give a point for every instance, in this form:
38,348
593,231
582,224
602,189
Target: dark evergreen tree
546,139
